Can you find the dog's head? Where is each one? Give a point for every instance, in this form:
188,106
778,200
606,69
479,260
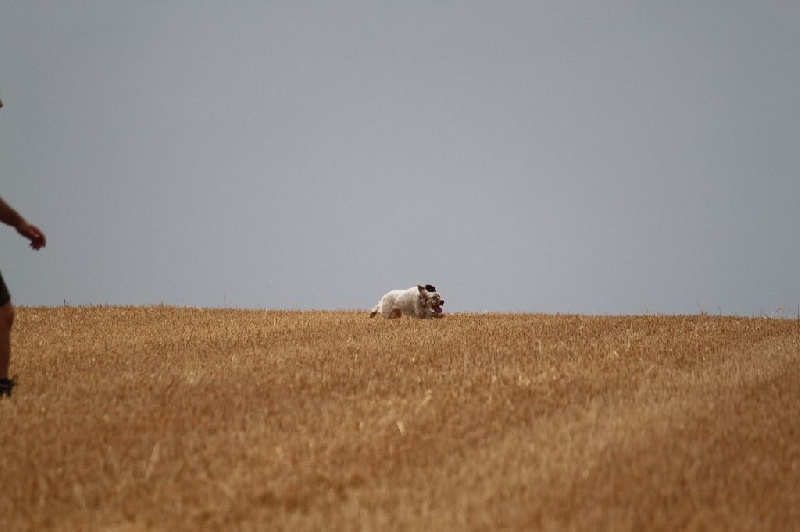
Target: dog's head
430,299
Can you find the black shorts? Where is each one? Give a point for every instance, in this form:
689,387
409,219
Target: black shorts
5,297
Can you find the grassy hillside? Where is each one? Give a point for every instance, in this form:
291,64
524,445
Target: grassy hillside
170,418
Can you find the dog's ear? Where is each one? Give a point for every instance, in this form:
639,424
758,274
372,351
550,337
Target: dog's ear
430,288
423,295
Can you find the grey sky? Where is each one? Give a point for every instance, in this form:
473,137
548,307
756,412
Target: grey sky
592,157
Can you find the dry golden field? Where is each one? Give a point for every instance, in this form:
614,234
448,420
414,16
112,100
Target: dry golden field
161,418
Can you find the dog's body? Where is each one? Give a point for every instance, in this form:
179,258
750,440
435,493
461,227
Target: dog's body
417,301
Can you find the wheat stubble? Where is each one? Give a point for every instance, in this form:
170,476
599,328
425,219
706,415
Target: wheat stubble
170,418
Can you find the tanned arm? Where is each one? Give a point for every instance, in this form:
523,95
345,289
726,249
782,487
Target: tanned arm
11,217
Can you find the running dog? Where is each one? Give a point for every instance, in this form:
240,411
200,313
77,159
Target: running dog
418,302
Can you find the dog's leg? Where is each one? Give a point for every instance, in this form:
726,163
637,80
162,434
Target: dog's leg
386,305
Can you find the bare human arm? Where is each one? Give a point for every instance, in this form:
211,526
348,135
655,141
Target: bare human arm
11,217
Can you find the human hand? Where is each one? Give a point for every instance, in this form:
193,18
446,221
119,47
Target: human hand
32,233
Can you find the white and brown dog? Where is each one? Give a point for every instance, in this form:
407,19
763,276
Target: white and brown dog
418,302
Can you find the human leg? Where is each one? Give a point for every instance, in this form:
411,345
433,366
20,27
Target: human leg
6,321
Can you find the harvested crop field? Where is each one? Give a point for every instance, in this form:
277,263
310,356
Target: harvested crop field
161,418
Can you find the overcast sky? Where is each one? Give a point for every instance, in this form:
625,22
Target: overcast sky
621,157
